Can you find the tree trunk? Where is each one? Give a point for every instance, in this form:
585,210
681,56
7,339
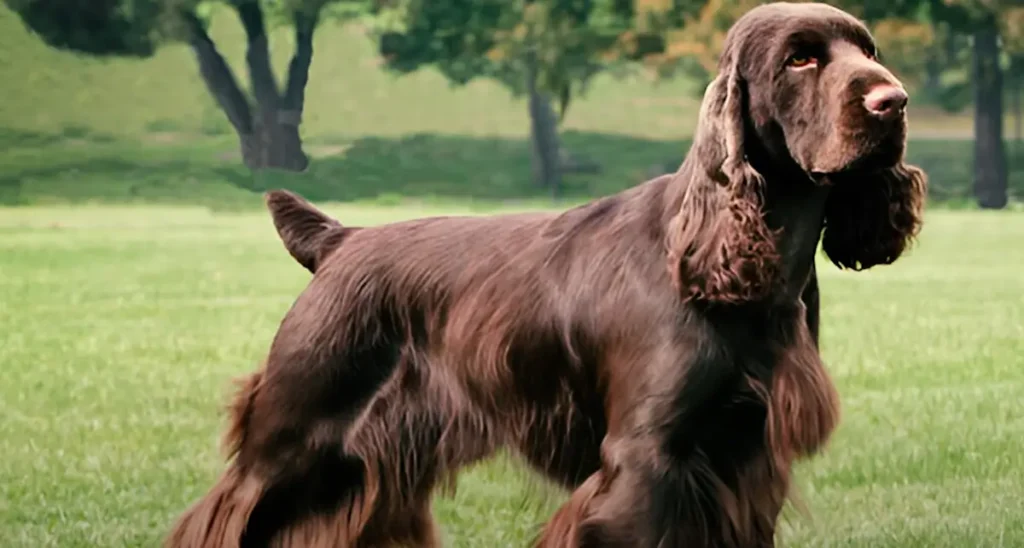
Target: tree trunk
990,185
219,80
275,143
1015,96
933,74
275,140
1013,79
269,137
544,139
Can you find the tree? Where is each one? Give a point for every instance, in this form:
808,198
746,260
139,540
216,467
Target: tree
266,119
1013,44
548,50
983,21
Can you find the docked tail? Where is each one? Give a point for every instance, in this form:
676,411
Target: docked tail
307,233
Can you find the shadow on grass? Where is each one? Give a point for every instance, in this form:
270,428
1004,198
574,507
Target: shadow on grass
417,167
474,168
424,167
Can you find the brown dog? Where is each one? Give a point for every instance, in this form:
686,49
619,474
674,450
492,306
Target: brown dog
655,351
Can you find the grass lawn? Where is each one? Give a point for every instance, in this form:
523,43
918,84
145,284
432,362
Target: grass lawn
121,327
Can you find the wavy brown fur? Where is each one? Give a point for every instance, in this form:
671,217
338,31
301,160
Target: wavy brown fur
719,247
655,352
872,218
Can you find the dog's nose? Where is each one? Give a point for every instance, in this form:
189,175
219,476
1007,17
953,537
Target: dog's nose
885,100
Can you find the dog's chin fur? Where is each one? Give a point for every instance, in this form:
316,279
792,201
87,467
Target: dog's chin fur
878,152
881,158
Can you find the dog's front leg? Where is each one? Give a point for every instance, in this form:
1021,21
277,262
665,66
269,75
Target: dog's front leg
641,506
673,474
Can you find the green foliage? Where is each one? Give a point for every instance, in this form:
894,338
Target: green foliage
136,28
97,27
454,36
567,42
280,13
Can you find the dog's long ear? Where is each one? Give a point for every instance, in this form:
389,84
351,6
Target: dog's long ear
719,247
872,218
307,233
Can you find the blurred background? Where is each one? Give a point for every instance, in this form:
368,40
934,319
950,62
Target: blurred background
390,100
139,272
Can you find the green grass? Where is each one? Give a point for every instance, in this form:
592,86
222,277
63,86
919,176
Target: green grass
121,327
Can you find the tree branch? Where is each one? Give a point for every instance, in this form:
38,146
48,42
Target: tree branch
298,68
217,75
257,54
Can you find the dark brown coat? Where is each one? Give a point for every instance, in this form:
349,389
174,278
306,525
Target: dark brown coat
654,351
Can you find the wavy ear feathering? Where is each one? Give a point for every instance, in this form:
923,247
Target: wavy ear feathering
719,248
871,218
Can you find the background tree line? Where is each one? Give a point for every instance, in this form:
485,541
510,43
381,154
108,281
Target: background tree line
952,53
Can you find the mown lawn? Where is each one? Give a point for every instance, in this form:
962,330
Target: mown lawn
121,327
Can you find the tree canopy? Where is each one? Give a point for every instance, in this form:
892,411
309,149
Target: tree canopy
567,41
549,50
96,27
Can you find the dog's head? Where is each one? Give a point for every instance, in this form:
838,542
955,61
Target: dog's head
800,90
816,92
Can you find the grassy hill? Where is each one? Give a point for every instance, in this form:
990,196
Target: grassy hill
87,129
348,94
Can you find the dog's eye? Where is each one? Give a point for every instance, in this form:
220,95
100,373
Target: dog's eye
801,60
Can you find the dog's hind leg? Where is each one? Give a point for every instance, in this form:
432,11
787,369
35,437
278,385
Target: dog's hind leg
292,481
287,494
360,483
416,434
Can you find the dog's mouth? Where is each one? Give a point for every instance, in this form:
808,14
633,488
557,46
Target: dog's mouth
880,145
882,157
824,178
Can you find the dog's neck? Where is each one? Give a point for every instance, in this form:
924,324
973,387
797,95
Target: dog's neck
798,209
794,205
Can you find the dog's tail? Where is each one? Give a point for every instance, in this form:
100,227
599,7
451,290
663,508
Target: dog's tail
307,233
315,501
221,517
